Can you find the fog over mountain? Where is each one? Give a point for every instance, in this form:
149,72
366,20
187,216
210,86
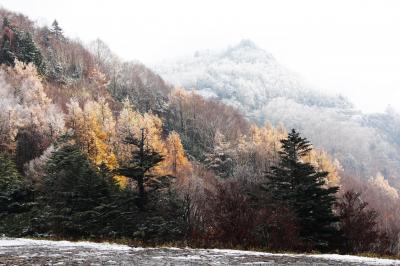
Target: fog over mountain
252,80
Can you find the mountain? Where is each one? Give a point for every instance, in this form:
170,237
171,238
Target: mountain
246,77
252,80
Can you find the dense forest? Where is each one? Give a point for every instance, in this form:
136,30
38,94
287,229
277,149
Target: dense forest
95,147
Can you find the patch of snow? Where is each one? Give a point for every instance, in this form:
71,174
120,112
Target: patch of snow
259,263
189,257
189,254
4,242
337,257
357,259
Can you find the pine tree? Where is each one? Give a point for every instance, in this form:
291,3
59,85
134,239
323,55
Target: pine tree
74,193
15,199
304,189
27,51
142,161
56,30
10,179
7,55
11,184
20,45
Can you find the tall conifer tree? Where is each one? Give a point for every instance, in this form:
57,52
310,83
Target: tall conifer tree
304,189
143,159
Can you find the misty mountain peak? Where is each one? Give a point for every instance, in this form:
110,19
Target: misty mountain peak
246,44
244,76
246,51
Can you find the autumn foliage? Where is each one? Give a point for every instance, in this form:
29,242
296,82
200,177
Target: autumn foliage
91,146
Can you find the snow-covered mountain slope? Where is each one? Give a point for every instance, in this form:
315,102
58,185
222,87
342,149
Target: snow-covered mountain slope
251,79
244,76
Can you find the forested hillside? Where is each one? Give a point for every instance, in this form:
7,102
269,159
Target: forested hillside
251,79
92,146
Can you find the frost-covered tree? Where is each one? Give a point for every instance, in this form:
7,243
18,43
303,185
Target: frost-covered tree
35,169
220,160
26,106
56,30
197,119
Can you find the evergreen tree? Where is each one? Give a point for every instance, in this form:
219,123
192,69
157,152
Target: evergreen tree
16,44
143,159
219,160
56,30
27,51
74,194
304,189
13,193
7,55
15,199
11,184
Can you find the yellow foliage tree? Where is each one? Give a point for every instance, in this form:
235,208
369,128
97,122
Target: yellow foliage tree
130,123
322,161
176,159
94,129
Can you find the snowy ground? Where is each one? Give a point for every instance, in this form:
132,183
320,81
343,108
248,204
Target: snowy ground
43,252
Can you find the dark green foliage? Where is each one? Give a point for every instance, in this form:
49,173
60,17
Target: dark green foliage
74,194
303,188
142,161
10,179
80,200
6,54
13,191
14,197
27,51
164,217
16,44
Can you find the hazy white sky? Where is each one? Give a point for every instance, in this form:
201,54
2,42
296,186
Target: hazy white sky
344,46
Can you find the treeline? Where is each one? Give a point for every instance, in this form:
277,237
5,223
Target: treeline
94,147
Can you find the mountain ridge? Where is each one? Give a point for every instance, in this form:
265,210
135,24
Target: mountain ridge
252,80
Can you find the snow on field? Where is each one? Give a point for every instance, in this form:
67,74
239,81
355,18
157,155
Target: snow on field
357,259
22,251
6,242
